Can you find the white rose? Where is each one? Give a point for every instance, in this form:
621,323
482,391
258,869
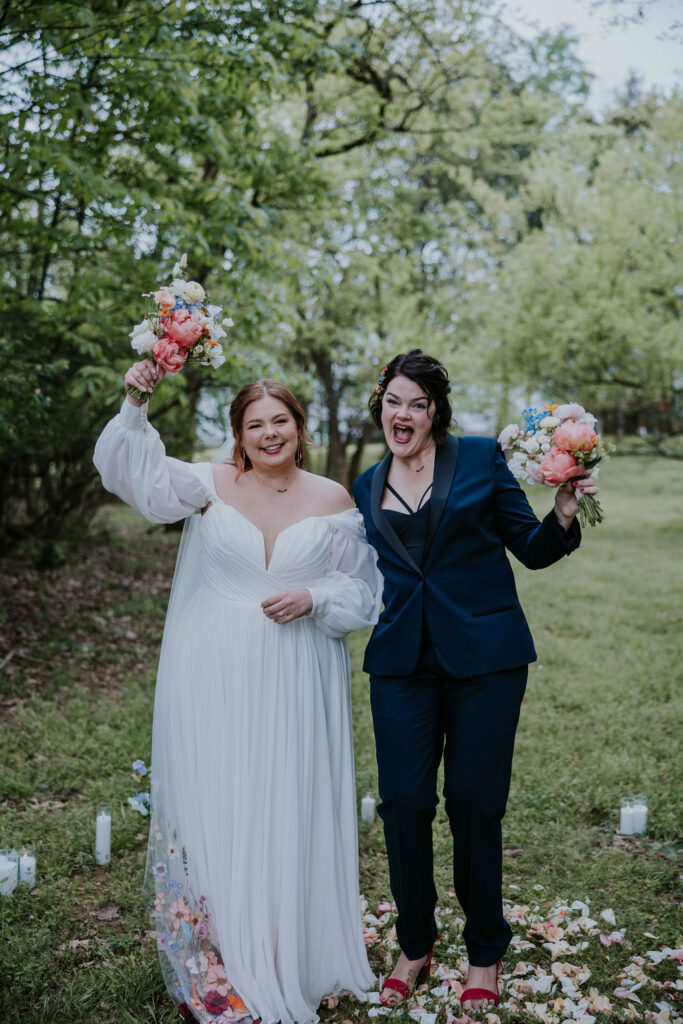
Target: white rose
549,421
142,338
191,292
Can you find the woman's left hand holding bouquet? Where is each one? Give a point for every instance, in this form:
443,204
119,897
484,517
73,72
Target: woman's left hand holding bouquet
567,498
144,376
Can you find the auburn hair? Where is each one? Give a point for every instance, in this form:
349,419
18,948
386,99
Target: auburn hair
251,393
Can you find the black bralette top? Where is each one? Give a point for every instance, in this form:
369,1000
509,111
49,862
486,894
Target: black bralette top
411,528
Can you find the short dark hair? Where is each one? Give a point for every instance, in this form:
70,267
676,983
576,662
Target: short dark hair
429,374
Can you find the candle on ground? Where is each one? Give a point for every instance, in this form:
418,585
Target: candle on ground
103,835
367,809
27,867
639,814
9,872
627,817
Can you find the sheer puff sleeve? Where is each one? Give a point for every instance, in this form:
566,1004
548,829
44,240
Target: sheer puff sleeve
131,459
349,595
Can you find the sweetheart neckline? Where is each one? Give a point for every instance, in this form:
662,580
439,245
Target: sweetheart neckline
268,561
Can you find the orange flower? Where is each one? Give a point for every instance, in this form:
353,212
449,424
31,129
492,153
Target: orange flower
236,1004
549,408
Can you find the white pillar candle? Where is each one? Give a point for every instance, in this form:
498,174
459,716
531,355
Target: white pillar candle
103,836
9,872
627,817
27,868
639,809
367,809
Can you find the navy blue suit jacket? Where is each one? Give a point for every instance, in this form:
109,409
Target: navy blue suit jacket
465,589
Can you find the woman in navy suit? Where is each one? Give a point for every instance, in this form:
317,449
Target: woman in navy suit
448,658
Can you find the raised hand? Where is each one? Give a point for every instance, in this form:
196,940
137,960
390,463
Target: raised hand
567,498
144,376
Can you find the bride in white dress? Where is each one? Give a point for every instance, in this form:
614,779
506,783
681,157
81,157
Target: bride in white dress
253,839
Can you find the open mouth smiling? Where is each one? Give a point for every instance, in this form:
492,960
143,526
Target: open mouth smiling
273,449
402,435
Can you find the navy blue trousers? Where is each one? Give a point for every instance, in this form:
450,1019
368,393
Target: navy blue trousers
472,722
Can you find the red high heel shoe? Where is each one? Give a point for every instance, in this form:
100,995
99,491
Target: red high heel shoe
471,994
405,991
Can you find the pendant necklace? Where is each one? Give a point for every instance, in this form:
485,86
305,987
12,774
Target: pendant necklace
279,490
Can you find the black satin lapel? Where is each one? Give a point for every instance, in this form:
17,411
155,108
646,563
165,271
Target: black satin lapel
445,464
379,478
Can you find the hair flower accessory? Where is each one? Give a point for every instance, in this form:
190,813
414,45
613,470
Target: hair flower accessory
382,378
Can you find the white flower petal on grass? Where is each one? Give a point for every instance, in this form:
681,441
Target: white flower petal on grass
657,955
608,915
623,993
542,984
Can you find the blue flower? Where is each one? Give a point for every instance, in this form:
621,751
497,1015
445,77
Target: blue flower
160,869
140,803
139,767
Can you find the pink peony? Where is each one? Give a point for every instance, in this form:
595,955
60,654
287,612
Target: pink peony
557,467
183,328
574,437
168,355
164,297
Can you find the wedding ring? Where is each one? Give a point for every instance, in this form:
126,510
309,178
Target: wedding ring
281,615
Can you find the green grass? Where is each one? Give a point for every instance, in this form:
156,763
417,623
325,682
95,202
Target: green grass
601,719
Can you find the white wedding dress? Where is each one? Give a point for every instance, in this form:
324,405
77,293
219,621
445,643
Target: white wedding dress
253,838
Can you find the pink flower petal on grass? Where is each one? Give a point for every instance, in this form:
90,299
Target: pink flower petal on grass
624,993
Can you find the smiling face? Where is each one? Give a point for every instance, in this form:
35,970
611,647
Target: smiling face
406,417
269,434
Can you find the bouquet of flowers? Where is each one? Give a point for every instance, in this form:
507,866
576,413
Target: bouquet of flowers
554,446
182,328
